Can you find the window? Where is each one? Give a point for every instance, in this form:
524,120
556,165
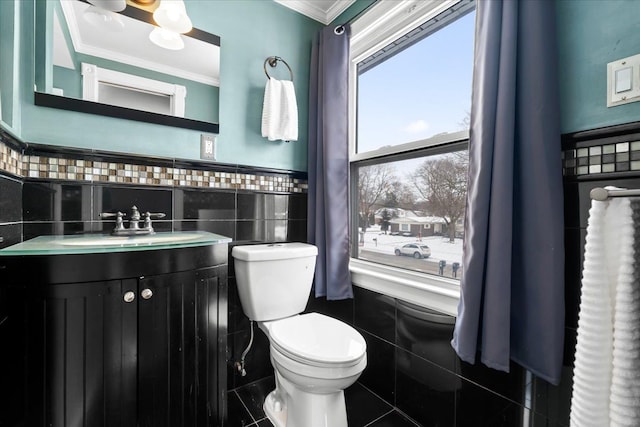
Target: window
411,73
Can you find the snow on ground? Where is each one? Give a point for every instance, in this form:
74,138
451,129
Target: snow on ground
441,247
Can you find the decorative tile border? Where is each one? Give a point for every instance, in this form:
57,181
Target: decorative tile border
45,167
605,158
10,160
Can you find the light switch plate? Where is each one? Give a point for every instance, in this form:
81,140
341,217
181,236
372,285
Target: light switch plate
623,81
207,146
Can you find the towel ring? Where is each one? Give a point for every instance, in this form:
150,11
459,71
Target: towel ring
273,61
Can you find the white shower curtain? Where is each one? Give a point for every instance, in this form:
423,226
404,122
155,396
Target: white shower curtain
606,382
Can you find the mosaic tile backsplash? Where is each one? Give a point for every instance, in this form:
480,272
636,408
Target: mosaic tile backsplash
10,160
71,169
602,159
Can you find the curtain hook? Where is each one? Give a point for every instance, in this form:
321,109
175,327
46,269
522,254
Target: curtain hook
339,30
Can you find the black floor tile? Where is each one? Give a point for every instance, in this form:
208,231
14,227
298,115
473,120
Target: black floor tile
253,395
363,406
238,415
264,423
245,405
392,419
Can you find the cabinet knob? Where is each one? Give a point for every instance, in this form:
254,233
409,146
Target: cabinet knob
129,296
146,293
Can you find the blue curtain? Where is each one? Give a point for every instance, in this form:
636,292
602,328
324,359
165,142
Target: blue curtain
512,291
328,208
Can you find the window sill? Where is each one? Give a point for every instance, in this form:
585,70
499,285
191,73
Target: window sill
434,292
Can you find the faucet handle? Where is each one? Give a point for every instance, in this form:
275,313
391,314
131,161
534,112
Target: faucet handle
147,219
111,214
154,215
119,226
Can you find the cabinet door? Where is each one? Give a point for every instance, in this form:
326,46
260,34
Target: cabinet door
178,345
82,355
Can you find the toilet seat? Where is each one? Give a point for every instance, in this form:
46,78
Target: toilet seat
318,340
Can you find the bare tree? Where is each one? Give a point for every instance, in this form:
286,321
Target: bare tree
442,182
465,123
373,183
400,195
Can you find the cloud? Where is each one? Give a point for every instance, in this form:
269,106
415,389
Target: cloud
416,127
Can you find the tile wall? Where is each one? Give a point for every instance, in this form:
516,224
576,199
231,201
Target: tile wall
411,364
51,191
602,158
413,367
74,208
10,210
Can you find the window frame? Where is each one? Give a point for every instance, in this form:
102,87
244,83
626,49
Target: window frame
385,22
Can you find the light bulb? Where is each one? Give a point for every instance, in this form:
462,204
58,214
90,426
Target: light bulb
166,39
172,15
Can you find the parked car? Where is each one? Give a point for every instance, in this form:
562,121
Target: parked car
416,250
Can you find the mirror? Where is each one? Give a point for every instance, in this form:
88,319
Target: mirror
95,61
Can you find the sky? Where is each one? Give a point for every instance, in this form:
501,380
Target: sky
420,92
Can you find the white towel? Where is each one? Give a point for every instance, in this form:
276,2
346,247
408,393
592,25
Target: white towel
605,369
625,381
280,111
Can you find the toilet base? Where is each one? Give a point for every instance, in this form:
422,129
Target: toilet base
275,410
304,409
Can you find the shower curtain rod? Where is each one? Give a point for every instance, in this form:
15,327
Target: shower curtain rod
602,194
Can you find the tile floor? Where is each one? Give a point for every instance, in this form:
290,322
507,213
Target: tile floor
364,408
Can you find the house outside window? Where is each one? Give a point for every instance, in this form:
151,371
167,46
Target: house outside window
411,72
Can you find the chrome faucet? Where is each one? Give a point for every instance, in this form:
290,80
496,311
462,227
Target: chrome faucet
134,223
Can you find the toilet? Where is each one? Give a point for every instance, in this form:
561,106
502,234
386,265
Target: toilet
315,357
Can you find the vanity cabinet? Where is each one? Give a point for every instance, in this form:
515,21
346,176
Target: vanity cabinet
135,350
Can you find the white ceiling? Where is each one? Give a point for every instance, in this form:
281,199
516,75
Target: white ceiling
323,11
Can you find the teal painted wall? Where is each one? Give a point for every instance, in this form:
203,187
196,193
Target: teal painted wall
250,30
592,33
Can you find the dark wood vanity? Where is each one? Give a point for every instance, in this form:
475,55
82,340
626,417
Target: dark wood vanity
125,338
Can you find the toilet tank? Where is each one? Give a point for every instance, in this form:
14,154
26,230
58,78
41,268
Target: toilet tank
274,280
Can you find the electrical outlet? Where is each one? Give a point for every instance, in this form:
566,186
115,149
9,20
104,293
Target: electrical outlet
207,146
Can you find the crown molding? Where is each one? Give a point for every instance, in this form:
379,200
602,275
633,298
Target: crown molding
311,9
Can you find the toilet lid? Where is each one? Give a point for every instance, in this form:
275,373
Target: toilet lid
317,338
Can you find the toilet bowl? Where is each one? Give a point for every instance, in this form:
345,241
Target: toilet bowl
315,357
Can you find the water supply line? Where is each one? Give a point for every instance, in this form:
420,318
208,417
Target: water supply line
240,364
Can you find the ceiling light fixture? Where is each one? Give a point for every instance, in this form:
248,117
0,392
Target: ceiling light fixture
166,39
172,15
112,5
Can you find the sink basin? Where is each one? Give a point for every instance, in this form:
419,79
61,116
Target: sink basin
91,243
128,240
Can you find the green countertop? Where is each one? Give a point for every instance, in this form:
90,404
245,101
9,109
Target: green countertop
95,243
